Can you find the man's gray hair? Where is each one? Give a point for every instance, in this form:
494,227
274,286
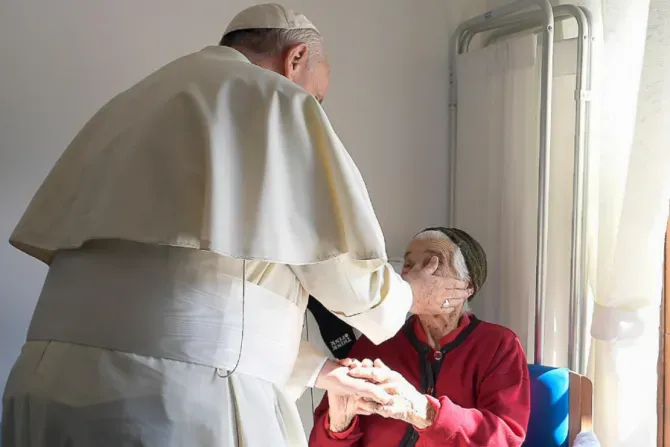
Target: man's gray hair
268,42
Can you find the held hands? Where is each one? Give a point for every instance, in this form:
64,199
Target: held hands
432,293
347,394
407,404
343,409
365,388
335,378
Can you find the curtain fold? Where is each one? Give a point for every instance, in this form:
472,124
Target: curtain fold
496,175
633,189
497,183
629,190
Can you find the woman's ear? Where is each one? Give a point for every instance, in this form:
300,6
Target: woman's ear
471,291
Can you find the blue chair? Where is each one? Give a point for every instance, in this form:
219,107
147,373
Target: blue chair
561,406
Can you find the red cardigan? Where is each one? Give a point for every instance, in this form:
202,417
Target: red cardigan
481,392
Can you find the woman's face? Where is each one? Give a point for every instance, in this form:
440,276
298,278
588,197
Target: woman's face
418,255
421,250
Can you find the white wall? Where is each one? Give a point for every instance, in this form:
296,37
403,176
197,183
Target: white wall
60,61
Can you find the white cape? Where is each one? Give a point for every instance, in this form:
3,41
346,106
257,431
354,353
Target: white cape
214,153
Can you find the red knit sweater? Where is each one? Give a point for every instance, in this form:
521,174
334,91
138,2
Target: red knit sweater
481,391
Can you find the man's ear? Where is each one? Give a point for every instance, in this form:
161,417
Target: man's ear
295,61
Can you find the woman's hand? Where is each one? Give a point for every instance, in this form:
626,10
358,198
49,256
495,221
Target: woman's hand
343,408
407,405
334,377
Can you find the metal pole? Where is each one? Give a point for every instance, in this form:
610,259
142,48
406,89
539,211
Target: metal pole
578,223
530,24
453,123
543,178
582,360
577,336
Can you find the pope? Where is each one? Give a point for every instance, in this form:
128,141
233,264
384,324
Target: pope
184,228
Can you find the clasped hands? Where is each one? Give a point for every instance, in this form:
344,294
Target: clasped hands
383,392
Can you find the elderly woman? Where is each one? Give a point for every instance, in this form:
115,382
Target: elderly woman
456,380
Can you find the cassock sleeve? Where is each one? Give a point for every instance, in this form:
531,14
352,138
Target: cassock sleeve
307,366
503,406
368,295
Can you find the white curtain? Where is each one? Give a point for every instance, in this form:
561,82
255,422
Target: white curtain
628,209
497,183
496,174
629,189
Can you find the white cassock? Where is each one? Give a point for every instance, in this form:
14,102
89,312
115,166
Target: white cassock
210,171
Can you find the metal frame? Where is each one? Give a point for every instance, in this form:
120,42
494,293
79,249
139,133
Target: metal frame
581,306
512,20
576,355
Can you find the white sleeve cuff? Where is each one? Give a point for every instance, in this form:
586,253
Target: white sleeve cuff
385,320
305,371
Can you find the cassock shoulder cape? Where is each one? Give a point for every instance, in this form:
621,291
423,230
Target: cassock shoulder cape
214,153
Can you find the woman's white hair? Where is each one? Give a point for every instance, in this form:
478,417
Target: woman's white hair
458,260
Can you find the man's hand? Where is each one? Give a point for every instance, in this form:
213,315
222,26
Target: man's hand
334,378
430,292
408,404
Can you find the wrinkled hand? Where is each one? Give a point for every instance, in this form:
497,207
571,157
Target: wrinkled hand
407,405
430,291
334,377
343,409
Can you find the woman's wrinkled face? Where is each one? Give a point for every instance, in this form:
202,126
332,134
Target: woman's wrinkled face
422,249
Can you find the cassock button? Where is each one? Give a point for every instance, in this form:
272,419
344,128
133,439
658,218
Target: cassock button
438,355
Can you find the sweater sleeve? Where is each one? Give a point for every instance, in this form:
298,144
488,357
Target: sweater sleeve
321,435
502,412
